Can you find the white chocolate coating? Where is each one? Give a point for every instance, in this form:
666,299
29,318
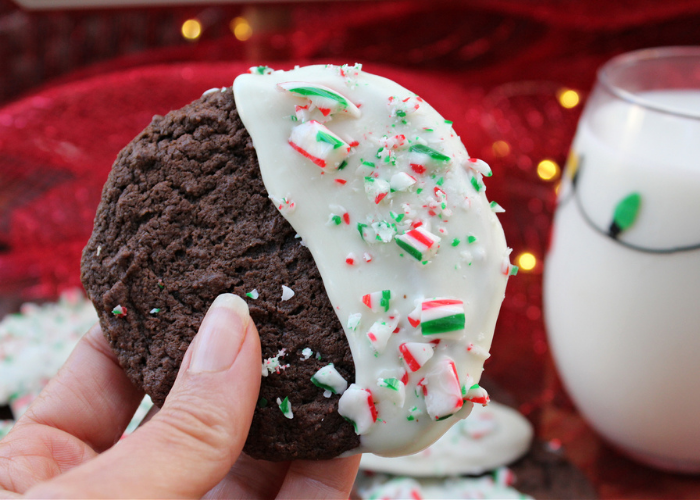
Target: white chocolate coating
448,205
492,436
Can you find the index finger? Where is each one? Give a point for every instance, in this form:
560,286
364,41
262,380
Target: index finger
90,398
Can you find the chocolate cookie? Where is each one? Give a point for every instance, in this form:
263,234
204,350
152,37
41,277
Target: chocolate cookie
185,217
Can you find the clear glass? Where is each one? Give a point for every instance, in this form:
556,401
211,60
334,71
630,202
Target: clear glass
622,277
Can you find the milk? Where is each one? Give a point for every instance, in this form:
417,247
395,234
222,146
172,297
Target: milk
624,325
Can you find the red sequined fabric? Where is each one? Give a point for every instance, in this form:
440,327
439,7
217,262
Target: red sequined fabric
497,68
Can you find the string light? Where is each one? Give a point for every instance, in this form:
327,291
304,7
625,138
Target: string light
568,98
501,148
527,261
241,29
191,29
547,170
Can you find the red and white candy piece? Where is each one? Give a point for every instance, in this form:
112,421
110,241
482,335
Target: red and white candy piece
401,181
356,405
377,301
478,351
380,333
392,389
327,100
316,142
416,354
414,316
419,243
284,205
440,316
376,189
444,394
479,166
329,379
394,142
477,395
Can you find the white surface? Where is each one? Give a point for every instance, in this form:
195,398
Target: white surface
265,111
624,326
463,450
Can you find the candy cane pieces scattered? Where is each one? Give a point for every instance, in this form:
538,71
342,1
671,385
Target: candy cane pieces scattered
316,142
416,354
327,100
356,405
419,243
329,379
442,316
444,394
392,389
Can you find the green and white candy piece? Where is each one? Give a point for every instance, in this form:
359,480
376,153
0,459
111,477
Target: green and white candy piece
401,181
444,394
419,243
354,321
378,301
392,389
329,379
380,332
420,154
439,316
384,231
479,166
376,189
315,141
285,407
327,100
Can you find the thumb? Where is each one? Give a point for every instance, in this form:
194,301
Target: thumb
190,445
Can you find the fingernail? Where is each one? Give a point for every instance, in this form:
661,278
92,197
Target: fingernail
221,334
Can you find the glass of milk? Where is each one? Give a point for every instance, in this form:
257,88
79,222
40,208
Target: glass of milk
622,277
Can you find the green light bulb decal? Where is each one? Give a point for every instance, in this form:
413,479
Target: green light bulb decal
626,212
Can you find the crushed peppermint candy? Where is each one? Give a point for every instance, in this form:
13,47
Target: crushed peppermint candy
354,321
478,351
420,243
356,405
260,70
325,99
393,389
477,394
496,207
416,354
285,407
287,293
284,205
119,311
444,394
401,181
273,365
380,333
306,353
155,310
317,143
479,166
376,189
442,316
253,294
329,379
378,301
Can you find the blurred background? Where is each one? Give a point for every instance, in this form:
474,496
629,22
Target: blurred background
79,79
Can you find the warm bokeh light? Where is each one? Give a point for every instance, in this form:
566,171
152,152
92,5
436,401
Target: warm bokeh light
191,29
547,170
527,261
569,98
501,148
556,188
241,29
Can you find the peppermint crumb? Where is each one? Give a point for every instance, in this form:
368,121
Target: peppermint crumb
253,294
287,293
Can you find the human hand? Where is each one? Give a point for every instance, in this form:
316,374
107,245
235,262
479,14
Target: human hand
64,445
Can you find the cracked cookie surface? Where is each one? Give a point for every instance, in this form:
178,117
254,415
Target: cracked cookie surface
185,217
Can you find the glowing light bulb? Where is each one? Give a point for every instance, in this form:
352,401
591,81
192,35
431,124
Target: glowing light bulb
568,98
547,170
501,148
191,29
241,29
527,261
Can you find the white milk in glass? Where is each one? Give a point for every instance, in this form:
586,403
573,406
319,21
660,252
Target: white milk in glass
623,324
